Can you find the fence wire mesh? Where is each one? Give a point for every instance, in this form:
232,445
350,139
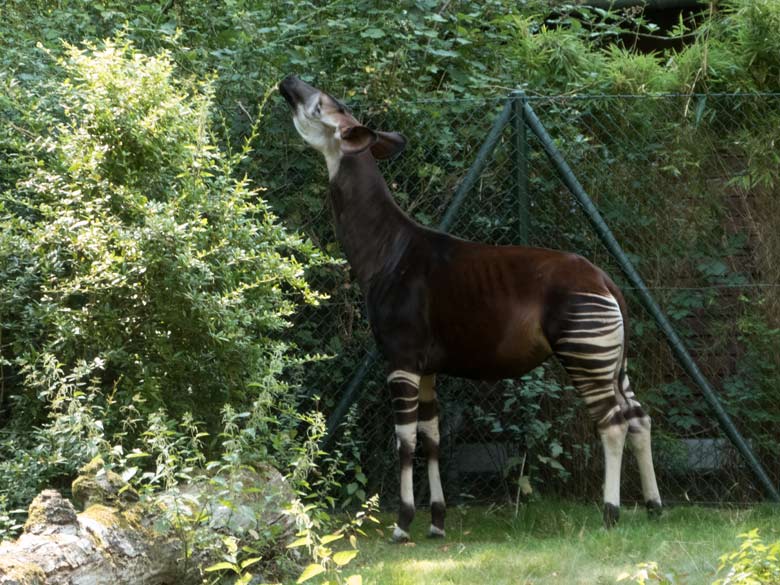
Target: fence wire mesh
689,186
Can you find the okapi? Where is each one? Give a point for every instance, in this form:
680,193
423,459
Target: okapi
438,304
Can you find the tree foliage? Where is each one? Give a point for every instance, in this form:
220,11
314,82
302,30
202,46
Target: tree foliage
138,269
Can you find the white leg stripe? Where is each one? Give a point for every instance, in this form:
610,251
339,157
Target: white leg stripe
603,330
613,439
403,376
601,315
434,480
612,411
640,444
609,298
430,428
407,433
604,370
407,486
591,398
603,355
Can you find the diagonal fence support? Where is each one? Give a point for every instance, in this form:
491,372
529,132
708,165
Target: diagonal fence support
351,390
476,168
679,350
349,396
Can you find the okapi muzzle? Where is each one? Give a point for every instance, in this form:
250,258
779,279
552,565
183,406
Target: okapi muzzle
328,126
441,305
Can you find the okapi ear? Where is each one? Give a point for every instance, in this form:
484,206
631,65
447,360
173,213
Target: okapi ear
355,139
388,145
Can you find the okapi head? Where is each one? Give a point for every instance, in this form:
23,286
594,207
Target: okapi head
328,126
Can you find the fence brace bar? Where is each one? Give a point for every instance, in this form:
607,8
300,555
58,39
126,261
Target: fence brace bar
681,353
476,168
349,395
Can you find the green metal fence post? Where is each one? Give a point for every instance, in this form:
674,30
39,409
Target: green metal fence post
520,162
351,392
683,357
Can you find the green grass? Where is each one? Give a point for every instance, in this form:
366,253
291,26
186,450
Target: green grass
558,543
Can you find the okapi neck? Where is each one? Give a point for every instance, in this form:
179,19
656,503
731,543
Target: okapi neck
372,230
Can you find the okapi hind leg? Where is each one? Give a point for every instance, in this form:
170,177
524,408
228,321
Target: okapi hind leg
613,432
428,428
404,394
590,348
639,426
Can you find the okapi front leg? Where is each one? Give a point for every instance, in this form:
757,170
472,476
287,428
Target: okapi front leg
404,393
428,427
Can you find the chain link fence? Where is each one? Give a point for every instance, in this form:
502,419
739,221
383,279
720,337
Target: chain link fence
689,186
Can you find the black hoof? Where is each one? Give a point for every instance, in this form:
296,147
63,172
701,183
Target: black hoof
654,509
611,515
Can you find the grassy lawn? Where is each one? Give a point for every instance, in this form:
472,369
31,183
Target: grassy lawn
558,543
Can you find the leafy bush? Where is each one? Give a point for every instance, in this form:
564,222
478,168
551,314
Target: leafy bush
753,26
754,563
138,271
519,421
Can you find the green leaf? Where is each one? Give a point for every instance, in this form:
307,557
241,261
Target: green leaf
303,541
309,572
443,53
343,557
249,562
372,33
223,566
128,473
524,484
331,538
555,464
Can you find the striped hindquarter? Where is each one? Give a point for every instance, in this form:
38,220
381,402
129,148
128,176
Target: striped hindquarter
591,348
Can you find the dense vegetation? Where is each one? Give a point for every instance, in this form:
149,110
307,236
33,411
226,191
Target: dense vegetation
148,284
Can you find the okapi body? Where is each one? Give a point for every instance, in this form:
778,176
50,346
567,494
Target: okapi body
438,304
